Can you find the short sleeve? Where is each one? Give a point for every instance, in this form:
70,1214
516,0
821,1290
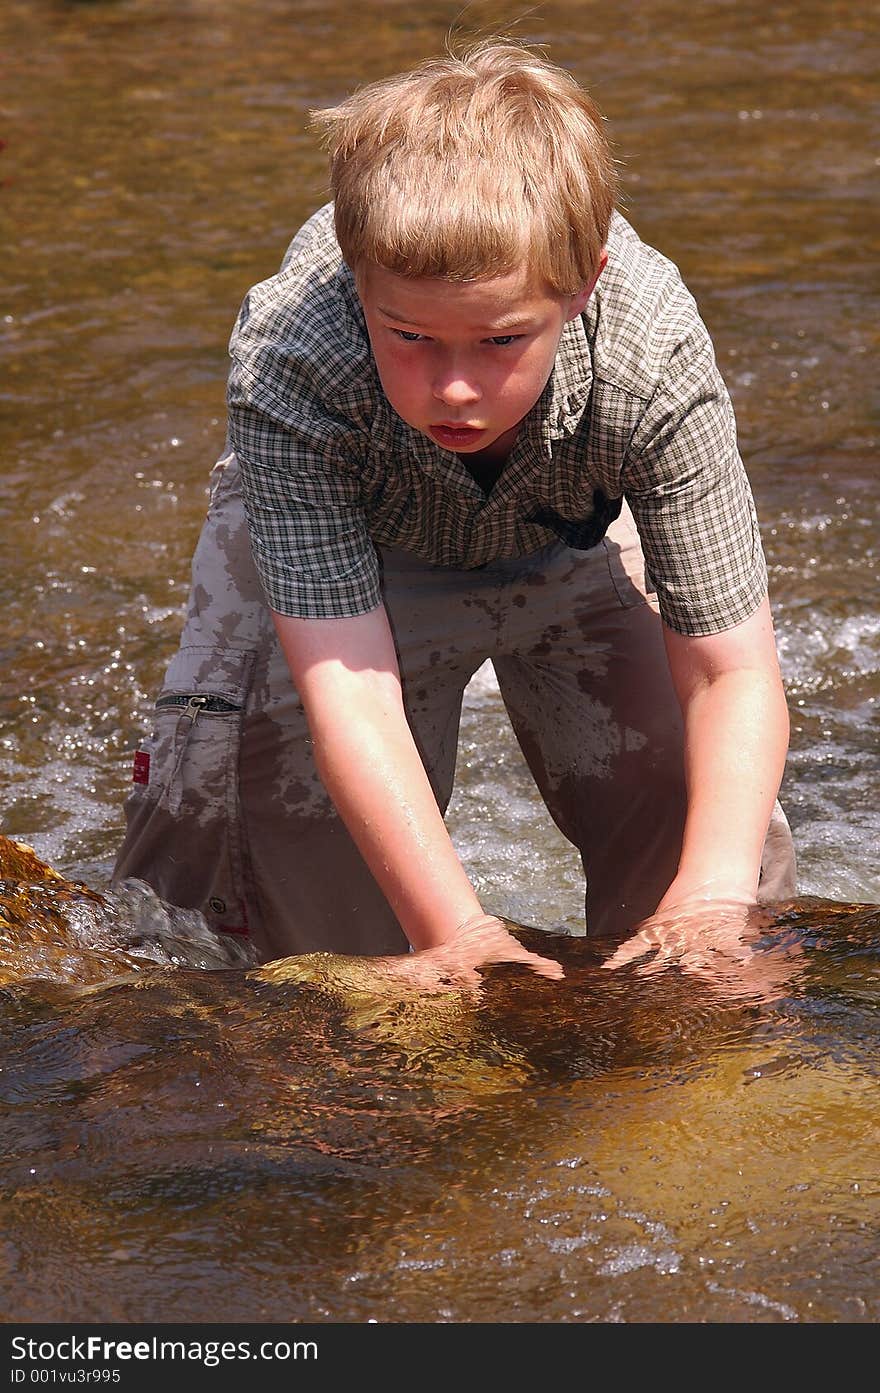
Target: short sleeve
688,490
309,537
299,424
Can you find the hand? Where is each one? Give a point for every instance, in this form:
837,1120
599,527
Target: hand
455,965
717,941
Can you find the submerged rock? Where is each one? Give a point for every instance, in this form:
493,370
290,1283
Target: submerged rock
184,1135
59,930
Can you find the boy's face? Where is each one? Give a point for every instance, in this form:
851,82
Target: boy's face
464,363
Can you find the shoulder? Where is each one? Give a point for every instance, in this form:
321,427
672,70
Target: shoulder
642,318
316,240
300,336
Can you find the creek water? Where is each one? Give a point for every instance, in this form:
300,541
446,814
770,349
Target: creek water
197,1144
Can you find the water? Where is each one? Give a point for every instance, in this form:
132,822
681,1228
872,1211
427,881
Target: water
187,1140
157,162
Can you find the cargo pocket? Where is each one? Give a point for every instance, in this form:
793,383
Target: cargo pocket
184,832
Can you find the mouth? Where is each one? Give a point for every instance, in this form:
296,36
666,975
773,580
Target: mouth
454,437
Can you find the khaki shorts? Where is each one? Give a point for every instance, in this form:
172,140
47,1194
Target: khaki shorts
227,813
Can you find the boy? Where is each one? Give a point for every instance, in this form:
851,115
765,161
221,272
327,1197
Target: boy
473,417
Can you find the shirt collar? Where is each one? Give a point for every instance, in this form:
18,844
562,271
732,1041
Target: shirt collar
566,394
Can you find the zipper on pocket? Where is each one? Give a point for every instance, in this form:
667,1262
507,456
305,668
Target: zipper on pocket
195,705
190,706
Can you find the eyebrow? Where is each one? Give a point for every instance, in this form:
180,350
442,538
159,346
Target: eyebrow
501,326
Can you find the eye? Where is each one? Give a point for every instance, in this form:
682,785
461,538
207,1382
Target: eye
408,335
502,340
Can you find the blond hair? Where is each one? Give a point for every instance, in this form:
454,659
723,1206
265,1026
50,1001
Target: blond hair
471,165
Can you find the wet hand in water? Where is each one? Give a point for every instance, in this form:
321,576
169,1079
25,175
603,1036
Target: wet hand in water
455,965
722,942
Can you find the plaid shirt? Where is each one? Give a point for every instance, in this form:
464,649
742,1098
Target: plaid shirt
635,408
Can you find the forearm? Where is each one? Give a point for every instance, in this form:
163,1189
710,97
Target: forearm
374,775
736,739
346,674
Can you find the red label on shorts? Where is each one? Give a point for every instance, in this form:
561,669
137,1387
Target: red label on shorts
141,771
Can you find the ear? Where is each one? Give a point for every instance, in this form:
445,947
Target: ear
579,302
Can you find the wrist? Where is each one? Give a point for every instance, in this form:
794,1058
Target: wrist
445,925
715,889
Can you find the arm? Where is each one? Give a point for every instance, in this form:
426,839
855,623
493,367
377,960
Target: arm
346,673
736,740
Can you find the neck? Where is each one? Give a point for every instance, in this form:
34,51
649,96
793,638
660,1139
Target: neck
487,465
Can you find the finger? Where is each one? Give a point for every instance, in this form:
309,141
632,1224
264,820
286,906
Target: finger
464,980
495,944
725,979
468,980
545,967
628,952
656,966
669,950
733,986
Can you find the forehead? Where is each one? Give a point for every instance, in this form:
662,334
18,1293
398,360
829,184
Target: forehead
491,302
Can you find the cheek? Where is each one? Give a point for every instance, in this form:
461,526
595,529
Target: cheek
396,376
530,376
404,389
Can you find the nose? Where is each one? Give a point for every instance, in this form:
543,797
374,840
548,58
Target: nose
455,386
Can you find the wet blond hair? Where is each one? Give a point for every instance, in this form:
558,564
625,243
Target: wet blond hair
469,166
